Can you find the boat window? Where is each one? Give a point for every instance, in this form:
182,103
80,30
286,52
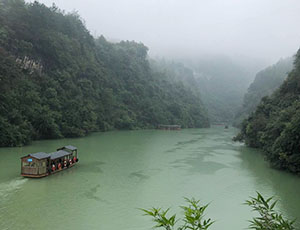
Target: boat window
25,164
29,164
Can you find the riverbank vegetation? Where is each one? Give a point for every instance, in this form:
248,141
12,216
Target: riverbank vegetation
275,124
56,80
264,84
194,216
222,82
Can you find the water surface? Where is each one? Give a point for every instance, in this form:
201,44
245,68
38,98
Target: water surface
120,172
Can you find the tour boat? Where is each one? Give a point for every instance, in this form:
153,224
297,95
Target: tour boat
44,164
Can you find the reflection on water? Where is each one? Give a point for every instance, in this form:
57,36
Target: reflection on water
92,194
282,185
139,174
120,172
92,167
196,163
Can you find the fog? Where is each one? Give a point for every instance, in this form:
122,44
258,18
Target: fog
266,30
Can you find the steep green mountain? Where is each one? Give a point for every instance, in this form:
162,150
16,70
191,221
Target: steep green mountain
275,124
178,72
222,83
56,80
264,84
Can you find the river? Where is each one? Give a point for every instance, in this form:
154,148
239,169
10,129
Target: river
122,171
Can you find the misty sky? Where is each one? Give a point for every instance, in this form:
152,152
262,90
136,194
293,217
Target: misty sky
264,29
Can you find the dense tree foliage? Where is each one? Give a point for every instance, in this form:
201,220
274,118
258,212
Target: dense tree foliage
178,72
221,82
56,80
275,124
264,84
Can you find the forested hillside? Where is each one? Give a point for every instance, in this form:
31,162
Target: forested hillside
56,80
264,84
178,72
222,83
275,124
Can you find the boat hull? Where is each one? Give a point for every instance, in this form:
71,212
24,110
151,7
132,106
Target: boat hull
46,174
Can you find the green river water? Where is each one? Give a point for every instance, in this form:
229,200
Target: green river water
122,171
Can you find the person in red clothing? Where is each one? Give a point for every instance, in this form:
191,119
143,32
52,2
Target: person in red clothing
59,166
74,159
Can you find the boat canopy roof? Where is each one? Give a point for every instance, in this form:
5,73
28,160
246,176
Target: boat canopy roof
59,154
68,147
71,147
40,155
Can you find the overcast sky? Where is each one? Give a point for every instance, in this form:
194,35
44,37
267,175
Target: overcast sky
264,29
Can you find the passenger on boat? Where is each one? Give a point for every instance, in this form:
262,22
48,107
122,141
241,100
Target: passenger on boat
65,163
59,166
74,159
53,167
70,162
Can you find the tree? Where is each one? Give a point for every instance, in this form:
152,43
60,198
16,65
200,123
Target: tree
56,80
274,125
268,218
193,217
